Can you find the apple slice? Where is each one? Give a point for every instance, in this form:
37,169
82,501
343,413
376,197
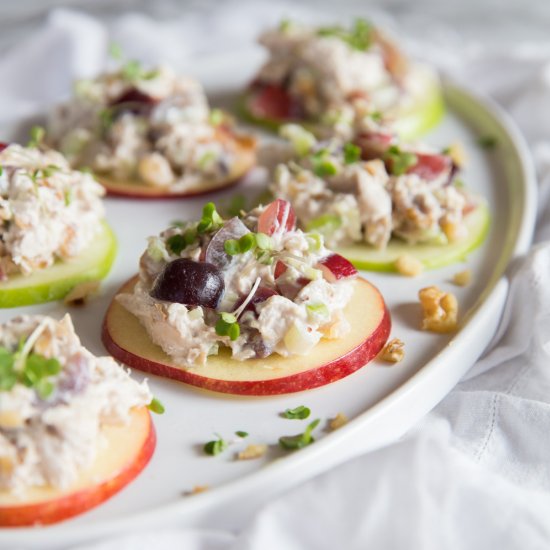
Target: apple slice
277,217
125,451
336,267
126,339
245,148
423,111
55,282
432,256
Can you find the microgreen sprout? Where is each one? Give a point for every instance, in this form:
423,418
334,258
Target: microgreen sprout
352,153
291,442
299,413
359,37
227,325
210,220
215,447
487,142
399,161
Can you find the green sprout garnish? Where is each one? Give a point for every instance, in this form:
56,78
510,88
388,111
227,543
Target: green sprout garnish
249,241
359,37
291,442
210,220
298,413
215,447
178,242
38,133
241,434
227,325
323,165
352,153
156,406
132,69
285,25
115,51
31,369
400,161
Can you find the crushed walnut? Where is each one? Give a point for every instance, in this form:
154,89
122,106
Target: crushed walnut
440,309
408,265
197,489
338,421
393,351
80,294
463,278
252,451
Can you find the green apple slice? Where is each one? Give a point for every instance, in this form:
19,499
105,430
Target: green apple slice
432,256
55,282
425,111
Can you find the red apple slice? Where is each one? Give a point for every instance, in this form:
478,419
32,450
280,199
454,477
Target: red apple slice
245,148
430,166
125,451
271,101
335,267
278,216
126,339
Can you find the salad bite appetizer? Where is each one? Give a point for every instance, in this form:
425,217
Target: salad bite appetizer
247,305
74,428
150,134
53,235
334,78
376,200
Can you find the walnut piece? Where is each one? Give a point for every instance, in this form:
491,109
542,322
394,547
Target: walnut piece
393,351
408,265
462,278
252,451
338,421
440,309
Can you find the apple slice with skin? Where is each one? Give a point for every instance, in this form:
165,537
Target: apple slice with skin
125,451
336,267
420,115
56,281
278,216
245,148
330,360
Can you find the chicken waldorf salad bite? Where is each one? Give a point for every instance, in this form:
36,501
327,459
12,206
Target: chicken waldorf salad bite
377,200
74,428
248,305
333,77
150,133
53,235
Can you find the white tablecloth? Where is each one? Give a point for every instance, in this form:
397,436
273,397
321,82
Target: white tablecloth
476,472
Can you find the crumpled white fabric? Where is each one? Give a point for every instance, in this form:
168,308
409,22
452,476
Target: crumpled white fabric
476,472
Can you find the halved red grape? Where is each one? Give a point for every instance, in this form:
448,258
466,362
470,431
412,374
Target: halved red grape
191,283
3,145
278,216
215,251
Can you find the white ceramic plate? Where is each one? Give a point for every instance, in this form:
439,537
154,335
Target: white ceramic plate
382,401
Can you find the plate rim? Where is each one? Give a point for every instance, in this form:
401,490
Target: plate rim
290,471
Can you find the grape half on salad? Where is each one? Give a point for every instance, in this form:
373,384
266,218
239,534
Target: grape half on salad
246,305
376,199
332,78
